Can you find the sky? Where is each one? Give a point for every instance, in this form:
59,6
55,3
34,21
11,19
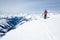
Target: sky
28,6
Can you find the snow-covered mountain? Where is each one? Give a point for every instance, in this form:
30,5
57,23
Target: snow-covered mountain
9,23
37,28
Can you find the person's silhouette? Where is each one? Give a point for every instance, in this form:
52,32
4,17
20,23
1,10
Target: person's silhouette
45,14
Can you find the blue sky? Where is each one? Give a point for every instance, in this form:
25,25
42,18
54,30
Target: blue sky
26,6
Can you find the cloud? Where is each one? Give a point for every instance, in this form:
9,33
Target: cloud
16,6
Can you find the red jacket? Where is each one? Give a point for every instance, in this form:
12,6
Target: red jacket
45,12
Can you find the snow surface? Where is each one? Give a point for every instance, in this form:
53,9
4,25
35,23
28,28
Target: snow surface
9,23
39,29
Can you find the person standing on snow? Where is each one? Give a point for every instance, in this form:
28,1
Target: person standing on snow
45,14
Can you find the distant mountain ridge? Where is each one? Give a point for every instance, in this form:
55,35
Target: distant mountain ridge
7,24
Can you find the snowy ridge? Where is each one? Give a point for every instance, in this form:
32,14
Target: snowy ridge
36,29
8,23
39,29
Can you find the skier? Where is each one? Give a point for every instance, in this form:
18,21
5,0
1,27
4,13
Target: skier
45,14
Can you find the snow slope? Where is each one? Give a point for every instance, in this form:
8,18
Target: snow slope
9,23
40,29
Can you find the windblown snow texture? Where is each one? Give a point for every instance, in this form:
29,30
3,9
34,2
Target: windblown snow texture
7,24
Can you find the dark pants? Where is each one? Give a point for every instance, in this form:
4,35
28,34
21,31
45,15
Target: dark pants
45,16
